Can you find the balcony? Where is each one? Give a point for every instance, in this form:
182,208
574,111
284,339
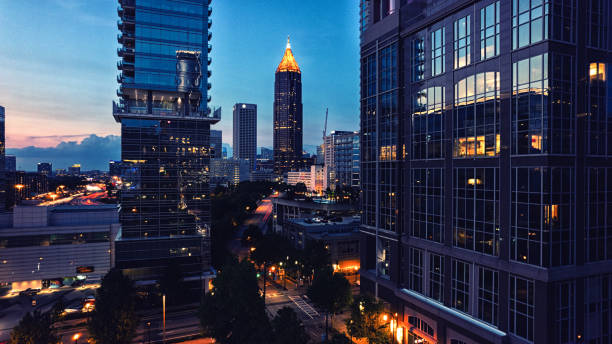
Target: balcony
127,3
209,73
123,51
208,86
122,110
209,61
209,48
209,23
209,98
209,35
124,65
125,37
209,11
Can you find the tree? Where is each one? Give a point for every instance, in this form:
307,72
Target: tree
114,319
366,320
331,292
270,250
34,328
288,328
234,312
315,257
340,338
57,312
171,284
251,235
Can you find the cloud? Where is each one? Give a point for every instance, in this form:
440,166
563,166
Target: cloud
93,153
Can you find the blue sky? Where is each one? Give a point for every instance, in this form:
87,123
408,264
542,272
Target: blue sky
57,65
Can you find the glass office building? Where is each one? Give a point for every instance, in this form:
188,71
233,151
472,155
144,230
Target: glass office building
165,137
485,142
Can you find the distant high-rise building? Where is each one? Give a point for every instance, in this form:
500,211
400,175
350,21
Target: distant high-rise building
245,133
2,139
216,144
344,157
165,138
229,171
75,170
287,114
320,154
486,145
224,155
267,154
114,168
44,168
10,163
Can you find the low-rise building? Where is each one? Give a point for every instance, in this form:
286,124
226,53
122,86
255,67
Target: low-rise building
286,209
315,178
260,175
339,234
49,246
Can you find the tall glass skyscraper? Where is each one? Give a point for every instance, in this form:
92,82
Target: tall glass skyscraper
486,134
287,114
245,133
165,137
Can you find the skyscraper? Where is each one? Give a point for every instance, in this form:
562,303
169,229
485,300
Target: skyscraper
245,133
165,138
287,114
3,174
2,138
486,170
216,144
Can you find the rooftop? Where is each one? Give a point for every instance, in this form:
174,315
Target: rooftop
288,63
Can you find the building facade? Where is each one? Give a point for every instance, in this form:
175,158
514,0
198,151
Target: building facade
40,246
216,144
165,138
342,158
245,133
10,163
44,168
485,169
287,135
229,171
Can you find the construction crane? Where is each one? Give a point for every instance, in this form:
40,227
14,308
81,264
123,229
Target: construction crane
325,127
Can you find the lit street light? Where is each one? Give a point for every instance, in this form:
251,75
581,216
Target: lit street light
76,337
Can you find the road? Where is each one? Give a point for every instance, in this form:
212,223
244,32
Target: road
259,217
91,199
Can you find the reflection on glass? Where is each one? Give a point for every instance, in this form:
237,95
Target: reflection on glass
529,22
437,52
462,42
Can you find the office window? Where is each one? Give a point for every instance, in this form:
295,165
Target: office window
437,52
369,148
598,21
460,288
522,304
489,31
563,17
597,306
462,41
488,295
383,257
427,123
387,60
530,106
562,114
598,225
565,312
416,270
477,116
529,22
436,277
428,204
476,216
599,98
542,216
418,59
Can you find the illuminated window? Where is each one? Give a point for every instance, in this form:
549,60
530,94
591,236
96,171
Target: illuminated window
477,115
597,71
462,41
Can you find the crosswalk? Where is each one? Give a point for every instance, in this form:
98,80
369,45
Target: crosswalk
304,306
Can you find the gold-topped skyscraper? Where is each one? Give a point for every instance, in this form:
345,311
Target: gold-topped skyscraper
287,114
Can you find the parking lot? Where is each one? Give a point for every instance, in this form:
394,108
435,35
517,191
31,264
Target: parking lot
14,306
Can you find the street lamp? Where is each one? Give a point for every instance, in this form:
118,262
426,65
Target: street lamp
76,337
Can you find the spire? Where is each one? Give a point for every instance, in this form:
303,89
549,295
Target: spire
288,63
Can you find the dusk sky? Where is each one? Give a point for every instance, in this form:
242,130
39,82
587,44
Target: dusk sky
58,72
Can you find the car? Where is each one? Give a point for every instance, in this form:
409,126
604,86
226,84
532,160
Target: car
29,292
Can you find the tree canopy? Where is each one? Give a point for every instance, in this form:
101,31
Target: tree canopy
34,328
366,320
114,320
331,292
234,312
288,328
